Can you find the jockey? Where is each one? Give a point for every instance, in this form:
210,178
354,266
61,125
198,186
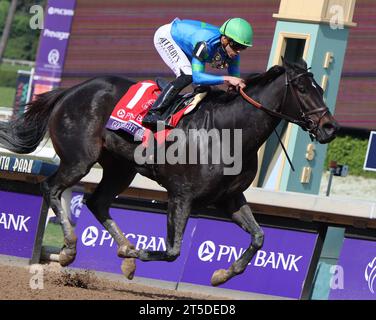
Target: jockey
187,45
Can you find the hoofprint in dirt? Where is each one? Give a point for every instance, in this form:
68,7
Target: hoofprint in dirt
59,283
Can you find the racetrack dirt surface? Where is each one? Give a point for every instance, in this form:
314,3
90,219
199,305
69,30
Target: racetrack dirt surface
64,284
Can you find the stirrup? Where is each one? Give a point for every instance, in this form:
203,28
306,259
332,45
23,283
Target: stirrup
166,125
152,124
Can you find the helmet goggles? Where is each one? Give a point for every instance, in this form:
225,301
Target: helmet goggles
236,46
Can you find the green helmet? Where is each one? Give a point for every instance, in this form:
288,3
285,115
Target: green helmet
238,30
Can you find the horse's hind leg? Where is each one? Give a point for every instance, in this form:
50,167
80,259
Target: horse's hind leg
179,209
117,176
242,216
53,187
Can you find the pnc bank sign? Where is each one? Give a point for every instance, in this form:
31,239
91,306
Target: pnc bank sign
92,237
19,216
209,251
358,262
97,250
279,268
14,222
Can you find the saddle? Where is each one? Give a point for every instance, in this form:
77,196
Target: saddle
191,99
138,100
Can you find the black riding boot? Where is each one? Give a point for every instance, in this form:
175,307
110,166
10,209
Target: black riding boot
164,100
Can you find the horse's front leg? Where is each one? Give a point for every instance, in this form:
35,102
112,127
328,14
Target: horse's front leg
242,215
179,209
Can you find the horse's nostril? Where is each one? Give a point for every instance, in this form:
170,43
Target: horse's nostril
331,127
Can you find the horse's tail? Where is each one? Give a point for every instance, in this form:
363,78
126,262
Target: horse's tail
24,133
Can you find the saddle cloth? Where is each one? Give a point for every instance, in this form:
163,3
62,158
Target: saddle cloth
137,101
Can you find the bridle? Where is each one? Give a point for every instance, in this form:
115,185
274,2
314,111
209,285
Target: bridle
307,124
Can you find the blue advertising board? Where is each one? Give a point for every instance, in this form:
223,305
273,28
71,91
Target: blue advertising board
358,262
370,161
19,217
279,269
96,248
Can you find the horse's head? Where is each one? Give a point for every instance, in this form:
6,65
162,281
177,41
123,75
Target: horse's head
306,103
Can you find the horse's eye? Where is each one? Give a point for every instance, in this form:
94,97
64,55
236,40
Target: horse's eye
302,89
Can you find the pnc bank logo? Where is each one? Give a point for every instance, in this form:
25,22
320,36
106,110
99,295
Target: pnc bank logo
89,236
370,275
206,251
121,113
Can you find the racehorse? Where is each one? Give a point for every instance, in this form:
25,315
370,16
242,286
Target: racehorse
76,118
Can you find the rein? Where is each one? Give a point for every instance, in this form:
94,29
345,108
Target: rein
275,114
271,112
308,124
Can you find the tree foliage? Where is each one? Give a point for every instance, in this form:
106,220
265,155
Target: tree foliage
349,151
23,41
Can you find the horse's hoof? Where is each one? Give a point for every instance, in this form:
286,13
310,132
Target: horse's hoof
128,267
66,258
220,276
68,251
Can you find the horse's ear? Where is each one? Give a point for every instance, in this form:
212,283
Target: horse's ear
283,61
303,64
286,64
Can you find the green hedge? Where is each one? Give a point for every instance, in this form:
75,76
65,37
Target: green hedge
7,96
23,40
8,78
8,74
349,151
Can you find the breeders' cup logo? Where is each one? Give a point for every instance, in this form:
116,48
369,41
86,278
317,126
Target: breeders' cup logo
53,57
206,251
370,275
89,236
76,205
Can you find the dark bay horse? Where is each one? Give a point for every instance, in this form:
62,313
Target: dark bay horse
76,118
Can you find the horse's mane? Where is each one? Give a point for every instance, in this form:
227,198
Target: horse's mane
261,79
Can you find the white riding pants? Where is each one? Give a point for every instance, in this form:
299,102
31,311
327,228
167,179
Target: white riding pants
170,52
